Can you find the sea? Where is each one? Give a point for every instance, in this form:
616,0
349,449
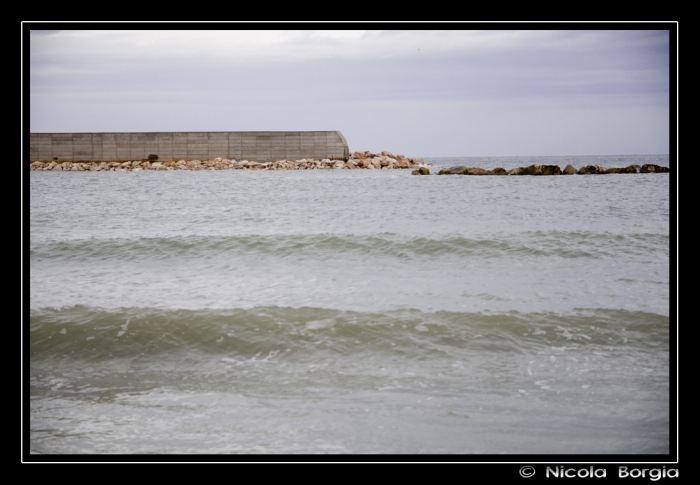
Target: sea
351,312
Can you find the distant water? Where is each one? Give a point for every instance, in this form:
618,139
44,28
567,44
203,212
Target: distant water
351,311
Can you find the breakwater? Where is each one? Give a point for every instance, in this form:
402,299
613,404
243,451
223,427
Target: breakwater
261,146
540,169
357,160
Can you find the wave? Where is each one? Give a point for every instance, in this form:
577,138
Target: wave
271,332
563,244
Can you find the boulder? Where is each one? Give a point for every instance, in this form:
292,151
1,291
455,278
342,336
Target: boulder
476,171
629,169
592,169
569,170
539,169
499,171
456,170
652,168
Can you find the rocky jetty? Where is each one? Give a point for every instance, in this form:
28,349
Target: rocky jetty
357,160
539,169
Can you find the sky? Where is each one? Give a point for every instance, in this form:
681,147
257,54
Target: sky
420,93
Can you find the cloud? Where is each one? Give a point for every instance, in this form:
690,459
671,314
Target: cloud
362,82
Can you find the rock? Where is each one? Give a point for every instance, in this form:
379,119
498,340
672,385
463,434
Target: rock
476,171
592,169
569,170
539,169
499,171
653,168
551,170
621,170
456,170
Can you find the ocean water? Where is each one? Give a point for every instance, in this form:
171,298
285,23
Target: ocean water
350,311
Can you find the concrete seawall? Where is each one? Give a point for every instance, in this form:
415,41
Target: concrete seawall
259,146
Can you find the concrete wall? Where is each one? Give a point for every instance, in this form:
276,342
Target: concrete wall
238,145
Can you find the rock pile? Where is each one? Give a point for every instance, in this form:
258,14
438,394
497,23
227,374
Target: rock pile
539,169
357,160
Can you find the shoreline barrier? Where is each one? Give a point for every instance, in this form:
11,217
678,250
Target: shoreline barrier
262,146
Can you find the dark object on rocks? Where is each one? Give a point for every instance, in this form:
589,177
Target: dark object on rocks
152,157
569,170
421,171
457,170
499,171
652,168
54,158
592,169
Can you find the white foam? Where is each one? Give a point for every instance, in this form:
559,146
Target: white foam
124,328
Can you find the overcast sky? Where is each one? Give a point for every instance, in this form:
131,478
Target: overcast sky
418,93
